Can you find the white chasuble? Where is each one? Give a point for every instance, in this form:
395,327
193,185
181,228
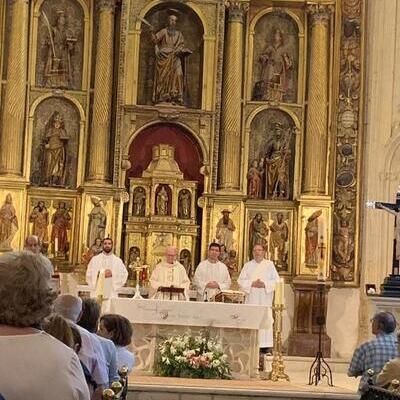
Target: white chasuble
167,275
266,272
207,272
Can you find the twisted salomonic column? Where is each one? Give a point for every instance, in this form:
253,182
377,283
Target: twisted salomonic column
229,176
100,135
12,127
317,109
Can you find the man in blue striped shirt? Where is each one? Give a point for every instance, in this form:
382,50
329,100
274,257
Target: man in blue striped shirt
375,353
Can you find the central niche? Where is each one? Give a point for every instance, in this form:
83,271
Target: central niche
171,57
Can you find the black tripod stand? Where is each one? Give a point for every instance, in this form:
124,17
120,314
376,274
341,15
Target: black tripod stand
319,368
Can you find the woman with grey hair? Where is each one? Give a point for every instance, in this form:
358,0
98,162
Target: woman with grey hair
34,365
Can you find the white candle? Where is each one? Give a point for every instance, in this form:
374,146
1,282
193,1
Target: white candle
277,294
56,245
276,258
282,283
321,227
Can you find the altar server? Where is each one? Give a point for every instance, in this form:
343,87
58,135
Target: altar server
106,273
211,276
258,279
169,273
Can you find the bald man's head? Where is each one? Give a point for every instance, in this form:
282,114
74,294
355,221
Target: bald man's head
170,254
68,306
32,243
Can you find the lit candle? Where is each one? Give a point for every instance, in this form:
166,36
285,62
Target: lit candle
56,245
277,294
321,227
282,283
276,256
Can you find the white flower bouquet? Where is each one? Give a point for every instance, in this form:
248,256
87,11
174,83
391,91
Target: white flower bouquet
192,357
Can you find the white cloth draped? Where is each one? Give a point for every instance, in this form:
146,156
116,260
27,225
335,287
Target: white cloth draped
101,262
206,272
266,272
166,275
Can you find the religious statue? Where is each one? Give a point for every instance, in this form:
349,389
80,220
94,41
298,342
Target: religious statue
343,244
97,221
60,45
275,65
254,180
223,254
8,223
61,221
96,247
225,229
139,201
184,203
162,202
231,263
277,159
311,241
170,53
278,240
185,258
40,221
55,144
258,232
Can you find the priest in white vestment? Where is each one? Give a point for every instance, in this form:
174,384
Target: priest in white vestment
106,273
169,273
258,279
211,276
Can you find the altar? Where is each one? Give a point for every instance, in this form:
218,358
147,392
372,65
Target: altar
234,325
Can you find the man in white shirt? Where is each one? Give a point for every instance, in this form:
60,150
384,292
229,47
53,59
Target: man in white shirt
258,279
169,273
211,276
106,270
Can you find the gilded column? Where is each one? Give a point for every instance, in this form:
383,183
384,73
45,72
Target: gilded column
229,176
100,135
13,121
317,109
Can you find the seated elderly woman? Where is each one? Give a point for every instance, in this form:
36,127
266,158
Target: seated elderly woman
34,365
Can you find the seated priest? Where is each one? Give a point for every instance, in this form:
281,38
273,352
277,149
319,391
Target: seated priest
169,274
258,279
106,273
211,276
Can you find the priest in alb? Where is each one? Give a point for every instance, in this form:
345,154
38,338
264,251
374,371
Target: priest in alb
169,273
258,279
106,273
211,276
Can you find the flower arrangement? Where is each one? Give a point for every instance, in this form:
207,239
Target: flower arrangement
192,357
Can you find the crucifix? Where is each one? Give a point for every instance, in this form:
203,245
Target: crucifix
394,209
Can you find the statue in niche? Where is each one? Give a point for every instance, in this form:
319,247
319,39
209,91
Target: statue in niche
184,203
185,258
8,223
162,202
277,160
61,222
170,53
97,221
56,138
275,65
96,247
258,232
254,179
60,44
311,240
225,229
278,241
40,221
139,201
343,244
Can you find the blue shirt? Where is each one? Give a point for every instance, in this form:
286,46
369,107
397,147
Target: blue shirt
110,354
373,354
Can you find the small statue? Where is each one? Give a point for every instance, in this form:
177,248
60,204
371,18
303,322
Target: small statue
254,180
258,232
225,229
8,223
139,200
311,240
40,221
184,203
162,202
97,222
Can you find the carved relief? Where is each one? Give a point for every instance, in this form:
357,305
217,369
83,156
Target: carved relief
39,217
279,241
271,156
171,53
60,45
8,223
61,224
55,143
347,143
185,258
258,232
275,63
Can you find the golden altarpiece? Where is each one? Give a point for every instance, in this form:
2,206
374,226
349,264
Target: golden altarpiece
182,122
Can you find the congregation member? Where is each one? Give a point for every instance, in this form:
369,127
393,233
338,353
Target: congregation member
211,276
108,269
169,273
118,329
34,365
258,279
375,353
391,370
91,353
32,244
89,320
